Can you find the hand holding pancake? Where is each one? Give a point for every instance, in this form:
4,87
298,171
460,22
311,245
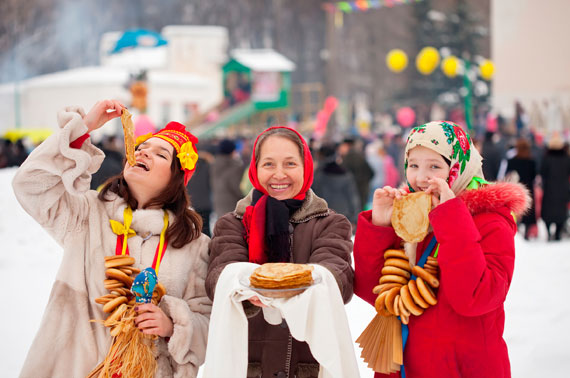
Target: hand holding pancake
102,112
440,191
382,203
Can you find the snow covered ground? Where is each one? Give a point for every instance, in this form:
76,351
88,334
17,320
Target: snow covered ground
537,308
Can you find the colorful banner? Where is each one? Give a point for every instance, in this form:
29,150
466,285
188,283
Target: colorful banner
364,5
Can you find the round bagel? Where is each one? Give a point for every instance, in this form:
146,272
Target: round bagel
105,298
431,271
379,303
389,299
416,296
115,316
403,310
122,260
395,253
385,287
409,303
426,292
393,278
405,318
398,263
112,304
397,304
397,271
427,277
114,257
119,276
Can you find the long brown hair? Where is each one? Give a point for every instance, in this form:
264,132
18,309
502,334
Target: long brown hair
187,225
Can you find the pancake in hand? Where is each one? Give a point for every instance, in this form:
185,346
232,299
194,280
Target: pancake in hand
281,276
129,131
410,216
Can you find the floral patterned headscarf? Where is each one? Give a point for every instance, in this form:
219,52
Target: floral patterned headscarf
450,141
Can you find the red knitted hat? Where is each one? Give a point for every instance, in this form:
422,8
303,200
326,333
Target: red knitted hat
183,142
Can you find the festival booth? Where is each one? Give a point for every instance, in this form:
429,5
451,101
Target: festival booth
257,86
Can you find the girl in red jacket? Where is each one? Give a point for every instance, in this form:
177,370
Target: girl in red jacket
473,223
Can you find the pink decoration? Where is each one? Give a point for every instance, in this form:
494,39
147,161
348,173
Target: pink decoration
406,116
212,116
492,123
324,115
143,125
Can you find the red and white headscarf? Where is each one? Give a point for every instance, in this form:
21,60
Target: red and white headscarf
450,141
268,210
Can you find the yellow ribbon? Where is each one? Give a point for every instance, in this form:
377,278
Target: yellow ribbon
125,230
161,242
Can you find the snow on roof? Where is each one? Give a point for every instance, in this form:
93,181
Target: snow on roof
79,76
263,60
138,58
178,79
106,75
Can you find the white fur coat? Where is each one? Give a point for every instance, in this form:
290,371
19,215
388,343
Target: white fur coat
53,187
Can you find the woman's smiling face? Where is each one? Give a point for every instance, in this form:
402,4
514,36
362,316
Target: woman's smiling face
150,175
424,164
280,167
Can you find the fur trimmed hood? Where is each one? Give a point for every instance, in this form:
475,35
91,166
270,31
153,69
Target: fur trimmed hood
491,197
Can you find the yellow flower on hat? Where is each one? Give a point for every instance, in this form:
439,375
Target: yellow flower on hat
187,156
143,138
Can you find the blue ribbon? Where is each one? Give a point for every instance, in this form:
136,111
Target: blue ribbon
405,330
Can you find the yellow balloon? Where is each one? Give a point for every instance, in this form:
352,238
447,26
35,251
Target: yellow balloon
427,60
486,69
449,66
396,60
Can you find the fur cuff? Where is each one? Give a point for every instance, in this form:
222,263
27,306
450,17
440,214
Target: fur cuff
86,161
179,344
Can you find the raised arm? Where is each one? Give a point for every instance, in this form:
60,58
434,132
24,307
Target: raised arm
52,184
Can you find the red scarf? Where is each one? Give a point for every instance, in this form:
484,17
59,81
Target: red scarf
254,219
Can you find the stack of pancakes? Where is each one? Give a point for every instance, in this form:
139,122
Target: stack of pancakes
281,276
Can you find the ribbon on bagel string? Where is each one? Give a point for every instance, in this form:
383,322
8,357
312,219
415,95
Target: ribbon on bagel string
405,330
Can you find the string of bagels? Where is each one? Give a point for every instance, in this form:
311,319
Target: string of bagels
404,289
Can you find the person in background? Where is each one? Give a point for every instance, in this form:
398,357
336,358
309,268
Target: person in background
353,160
200,191
555,173
492,155
281,220
471,236
226,176
148,202
525,168
336,185
111,165
385,171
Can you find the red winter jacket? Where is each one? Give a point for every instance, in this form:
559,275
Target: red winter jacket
462,335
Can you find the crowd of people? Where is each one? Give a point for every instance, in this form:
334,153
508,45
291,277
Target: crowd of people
283,199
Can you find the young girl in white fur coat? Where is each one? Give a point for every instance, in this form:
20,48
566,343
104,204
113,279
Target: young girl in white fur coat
53,187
